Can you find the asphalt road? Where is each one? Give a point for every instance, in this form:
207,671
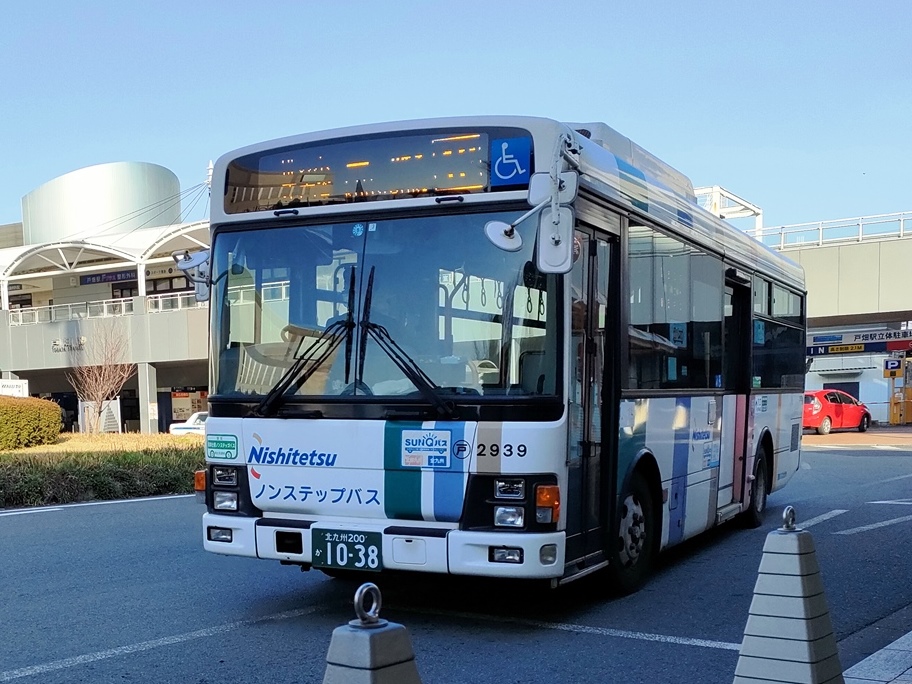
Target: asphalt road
123,592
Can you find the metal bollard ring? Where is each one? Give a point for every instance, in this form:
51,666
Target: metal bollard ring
367,606
788,519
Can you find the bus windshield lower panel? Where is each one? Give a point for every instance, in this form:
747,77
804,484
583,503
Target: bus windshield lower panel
382,309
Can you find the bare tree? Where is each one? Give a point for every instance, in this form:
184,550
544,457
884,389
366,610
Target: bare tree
104,370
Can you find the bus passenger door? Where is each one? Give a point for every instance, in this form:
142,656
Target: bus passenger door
590,297
736,381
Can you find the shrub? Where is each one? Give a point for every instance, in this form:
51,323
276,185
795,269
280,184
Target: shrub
26,421
99,467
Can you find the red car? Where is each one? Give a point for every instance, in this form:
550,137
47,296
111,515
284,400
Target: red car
826,410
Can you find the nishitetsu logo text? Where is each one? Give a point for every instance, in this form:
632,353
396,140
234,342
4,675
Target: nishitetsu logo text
265,455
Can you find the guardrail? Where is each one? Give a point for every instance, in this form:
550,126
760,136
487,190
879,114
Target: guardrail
71,312
172,301
800,235
175,301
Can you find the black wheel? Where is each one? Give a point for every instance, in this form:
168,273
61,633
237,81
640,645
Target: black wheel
633,550
825,426
753,516
865,423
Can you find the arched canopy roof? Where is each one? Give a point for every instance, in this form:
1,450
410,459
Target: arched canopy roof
101,251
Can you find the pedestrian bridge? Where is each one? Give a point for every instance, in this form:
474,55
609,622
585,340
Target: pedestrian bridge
859,305
857,269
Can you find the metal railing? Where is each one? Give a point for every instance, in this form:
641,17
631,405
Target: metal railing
799,235
71,312
172,301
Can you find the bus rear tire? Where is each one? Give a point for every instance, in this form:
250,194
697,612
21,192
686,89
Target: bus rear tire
753,516
632,551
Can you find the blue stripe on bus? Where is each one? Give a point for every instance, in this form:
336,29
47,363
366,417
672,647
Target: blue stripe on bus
449,483
680,459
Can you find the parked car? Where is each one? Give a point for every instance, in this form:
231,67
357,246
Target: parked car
195,425
826,410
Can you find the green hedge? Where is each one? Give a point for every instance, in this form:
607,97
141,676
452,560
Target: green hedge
26,421
39,479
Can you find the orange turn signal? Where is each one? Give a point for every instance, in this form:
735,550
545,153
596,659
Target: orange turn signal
547,503
199,481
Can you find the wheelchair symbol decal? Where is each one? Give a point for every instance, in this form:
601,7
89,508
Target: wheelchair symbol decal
511,161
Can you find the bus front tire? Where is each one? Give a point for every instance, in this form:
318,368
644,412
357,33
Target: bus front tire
632,552
753,516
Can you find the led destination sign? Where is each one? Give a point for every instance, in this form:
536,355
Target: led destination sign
391,166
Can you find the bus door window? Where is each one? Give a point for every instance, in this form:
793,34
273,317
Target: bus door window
579,304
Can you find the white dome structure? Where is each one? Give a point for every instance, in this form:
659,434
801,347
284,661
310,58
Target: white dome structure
106,199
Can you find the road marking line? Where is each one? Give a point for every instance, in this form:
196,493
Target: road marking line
821,518
10,675
26,511
899,502
43,509
894,479
585,629
120,501
885,523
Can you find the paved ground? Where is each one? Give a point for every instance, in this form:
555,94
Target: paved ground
897,436
892,664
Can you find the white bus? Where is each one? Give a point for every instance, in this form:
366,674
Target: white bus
495,346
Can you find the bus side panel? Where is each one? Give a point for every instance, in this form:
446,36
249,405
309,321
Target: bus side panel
684,435
781,415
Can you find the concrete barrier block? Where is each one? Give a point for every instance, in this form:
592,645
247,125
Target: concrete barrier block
370,648
789,585
789,672
796,542
789,564
403,673
751,680
789,637
789,606
796,650
789,628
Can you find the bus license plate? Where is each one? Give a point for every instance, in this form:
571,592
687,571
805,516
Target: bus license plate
348,550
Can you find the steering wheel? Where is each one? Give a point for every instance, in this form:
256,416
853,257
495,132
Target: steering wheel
360,386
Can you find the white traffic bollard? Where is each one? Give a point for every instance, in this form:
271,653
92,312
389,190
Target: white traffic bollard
789,637
370,650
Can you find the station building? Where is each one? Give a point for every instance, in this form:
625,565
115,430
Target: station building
91,263
89,272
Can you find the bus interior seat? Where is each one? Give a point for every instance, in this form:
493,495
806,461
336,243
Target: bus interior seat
532,372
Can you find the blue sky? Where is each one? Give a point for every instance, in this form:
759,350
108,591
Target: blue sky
801,107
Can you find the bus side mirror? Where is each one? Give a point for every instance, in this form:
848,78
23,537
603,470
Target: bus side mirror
541,188
554,253
196,268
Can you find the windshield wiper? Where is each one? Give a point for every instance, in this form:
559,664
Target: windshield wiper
297,374
405,363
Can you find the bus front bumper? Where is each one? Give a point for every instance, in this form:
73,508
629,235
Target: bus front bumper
457,552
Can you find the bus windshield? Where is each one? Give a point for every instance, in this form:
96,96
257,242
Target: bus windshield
335,306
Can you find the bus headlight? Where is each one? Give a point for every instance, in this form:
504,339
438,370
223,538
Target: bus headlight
224,477
225,501
513,488
509,516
